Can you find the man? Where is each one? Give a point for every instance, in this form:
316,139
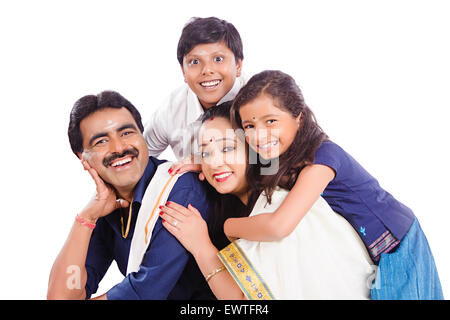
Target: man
105,133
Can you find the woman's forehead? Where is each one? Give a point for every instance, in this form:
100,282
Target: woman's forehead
216,128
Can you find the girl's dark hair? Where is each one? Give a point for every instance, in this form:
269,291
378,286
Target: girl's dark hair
224,206
288,97
209,30
89,104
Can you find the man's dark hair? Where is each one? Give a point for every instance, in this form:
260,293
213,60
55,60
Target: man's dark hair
209,30
89,104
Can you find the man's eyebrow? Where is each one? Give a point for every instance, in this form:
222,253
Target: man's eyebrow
96,136
105,134
127,126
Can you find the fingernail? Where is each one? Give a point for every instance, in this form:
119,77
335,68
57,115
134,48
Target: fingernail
164,221
167,203
177,171
161,207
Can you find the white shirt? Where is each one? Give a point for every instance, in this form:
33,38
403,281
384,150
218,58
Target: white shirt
177,122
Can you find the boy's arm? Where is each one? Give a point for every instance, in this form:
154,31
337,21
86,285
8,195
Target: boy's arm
155,134
310,184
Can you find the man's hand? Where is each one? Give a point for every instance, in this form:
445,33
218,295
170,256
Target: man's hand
104,201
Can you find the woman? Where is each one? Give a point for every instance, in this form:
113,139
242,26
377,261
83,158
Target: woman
322,259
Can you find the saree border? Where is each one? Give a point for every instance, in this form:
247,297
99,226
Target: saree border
244,273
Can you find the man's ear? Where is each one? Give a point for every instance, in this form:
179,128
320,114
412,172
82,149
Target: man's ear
238,68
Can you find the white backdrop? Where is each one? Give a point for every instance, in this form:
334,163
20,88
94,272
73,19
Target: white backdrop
376,74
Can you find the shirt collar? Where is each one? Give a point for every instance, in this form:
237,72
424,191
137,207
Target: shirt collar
143,183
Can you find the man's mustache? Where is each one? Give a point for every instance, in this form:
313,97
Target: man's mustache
129,152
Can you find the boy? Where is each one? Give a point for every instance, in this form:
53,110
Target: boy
210,55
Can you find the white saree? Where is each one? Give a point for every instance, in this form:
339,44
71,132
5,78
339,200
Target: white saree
323,258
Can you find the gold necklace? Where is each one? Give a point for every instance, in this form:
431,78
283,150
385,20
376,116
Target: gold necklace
125,234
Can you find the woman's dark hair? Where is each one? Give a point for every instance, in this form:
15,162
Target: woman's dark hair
288,97
224,206
209,30
89,104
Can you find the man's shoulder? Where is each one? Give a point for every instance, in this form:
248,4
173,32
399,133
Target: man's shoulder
190,180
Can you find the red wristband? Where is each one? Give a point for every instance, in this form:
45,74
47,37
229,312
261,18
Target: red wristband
84,222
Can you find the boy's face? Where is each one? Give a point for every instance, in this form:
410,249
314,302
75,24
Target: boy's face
210,71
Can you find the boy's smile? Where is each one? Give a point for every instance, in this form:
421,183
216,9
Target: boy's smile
210,71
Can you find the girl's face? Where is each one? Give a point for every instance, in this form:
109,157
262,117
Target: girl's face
223,157
268,129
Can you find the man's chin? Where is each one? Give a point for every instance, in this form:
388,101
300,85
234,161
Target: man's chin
128,181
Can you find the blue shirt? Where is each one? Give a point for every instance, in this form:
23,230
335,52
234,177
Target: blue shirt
167,271
377,216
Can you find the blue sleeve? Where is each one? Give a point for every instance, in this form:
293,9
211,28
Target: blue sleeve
98,258
329,154
165,259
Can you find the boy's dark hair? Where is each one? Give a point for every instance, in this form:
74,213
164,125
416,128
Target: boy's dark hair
209,30
89,104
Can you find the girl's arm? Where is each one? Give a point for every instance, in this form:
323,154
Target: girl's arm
192,232
310,184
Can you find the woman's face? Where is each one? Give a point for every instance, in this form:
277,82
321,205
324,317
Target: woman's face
223,157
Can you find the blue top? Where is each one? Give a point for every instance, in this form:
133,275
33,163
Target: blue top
377,216
168,271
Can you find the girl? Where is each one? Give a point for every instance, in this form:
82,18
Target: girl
280,127
330,264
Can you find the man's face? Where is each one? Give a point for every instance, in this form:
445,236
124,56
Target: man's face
210,71
114,147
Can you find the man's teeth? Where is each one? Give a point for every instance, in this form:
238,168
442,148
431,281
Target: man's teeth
210,83
121,162
267,145
223,175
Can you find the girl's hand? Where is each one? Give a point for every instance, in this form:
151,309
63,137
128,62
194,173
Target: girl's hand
187,164
187,225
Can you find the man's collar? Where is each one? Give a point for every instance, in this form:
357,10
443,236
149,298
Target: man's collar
149,172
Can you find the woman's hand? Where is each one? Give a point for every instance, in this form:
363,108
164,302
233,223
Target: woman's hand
187,225
187,164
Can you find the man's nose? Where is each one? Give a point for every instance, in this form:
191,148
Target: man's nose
117,145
